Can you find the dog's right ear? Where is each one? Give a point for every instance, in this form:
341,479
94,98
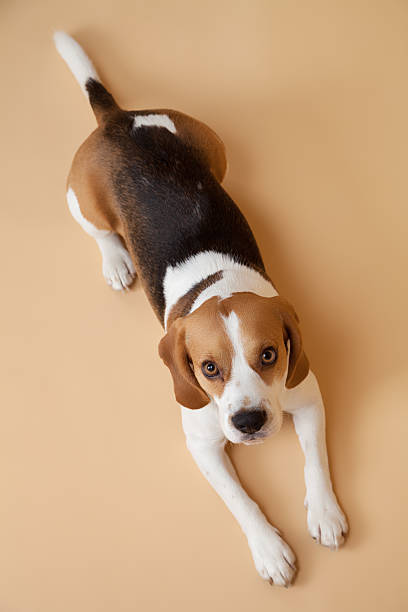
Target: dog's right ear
172,349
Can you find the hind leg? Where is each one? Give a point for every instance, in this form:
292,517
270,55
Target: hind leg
117,264
203,139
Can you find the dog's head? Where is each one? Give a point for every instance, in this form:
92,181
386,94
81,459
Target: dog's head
240,352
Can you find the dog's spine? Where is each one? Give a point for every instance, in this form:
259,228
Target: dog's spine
78,62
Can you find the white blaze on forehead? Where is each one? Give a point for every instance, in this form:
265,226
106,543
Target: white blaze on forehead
238,360
153,120
244,381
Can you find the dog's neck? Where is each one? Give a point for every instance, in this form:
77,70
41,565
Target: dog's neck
205,275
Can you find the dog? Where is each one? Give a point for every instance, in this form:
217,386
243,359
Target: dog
146,185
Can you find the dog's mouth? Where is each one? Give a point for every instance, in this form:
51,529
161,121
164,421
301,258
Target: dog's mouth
256,438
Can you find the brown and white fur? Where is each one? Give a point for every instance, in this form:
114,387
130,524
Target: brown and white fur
146,185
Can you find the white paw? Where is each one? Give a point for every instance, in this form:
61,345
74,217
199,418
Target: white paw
326,522
274,560
118,268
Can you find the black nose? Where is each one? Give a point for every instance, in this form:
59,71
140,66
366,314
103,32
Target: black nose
249,421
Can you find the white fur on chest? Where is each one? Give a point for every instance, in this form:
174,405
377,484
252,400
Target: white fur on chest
236,277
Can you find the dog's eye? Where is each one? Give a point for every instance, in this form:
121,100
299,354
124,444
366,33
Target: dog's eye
209,369
268,356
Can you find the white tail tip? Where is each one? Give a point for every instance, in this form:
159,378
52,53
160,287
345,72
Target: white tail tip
76,58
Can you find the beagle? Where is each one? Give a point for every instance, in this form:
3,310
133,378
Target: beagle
146,185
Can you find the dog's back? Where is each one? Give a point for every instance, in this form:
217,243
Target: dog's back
153,177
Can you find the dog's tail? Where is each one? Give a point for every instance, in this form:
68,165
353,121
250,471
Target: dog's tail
83,70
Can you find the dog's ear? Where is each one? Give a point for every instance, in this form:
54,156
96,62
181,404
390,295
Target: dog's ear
298,367
172,349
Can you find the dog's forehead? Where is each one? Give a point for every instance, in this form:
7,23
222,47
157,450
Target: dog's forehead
257,317
205,329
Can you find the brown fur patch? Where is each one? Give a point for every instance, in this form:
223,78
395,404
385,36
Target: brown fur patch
173,351
91,186
207,340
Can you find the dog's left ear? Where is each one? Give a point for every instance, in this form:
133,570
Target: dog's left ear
298,367
173,351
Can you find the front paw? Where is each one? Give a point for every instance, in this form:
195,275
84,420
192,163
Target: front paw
326,522
273,558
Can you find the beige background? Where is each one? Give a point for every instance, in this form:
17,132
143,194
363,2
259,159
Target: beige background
102,509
